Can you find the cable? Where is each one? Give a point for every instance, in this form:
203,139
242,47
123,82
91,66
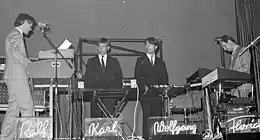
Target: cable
82,113
61,123
75,121
69,99
136,104
146,90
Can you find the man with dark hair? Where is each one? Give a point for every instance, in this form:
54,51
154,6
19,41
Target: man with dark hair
150,70
104,72
16,75
240,60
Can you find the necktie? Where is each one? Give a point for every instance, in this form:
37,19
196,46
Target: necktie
25,47
103,64
152,60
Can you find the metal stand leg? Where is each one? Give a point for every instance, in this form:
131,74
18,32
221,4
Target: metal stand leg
51,103
164,110
218,94
207,99
166,101
103,108
185,116
119,107
71,98
128,125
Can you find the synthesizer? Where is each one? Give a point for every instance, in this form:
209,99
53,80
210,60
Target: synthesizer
225,75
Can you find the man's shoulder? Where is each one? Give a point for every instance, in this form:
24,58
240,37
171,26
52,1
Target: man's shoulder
92,60
142,57
14,34
160,59
112,58
243,50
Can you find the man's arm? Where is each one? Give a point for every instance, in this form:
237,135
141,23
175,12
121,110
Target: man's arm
165,74
245,62
118,71
118,75
89,73
15,49
138,71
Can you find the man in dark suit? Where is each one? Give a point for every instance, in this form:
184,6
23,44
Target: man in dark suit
103,71
150,70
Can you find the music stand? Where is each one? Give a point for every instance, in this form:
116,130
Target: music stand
56,52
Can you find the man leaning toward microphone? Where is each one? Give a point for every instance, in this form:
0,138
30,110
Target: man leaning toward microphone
16,75
240,60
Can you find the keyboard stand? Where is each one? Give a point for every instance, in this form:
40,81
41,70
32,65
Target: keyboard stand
114,94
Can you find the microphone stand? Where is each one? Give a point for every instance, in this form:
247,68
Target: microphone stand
256,70
251,44
55,123
256,77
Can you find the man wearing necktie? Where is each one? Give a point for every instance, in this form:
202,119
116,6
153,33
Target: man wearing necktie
238,62
16,75
150,70
104,72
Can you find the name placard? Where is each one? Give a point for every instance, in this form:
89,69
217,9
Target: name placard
102,127
169,126
242,124
34,128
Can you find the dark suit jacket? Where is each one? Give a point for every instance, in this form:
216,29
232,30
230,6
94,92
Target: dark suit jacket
146,73
96,78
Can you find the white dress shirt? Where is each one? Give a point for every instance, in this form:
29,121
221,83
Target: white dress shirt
19,30
151,57
104,58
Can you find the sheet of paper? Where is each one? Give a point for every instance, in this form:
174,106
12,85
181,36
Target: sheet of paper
65,44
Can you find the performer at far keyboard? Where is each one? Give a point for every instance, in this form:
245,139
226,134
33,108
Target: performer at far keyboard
103,71
238,62
150,70
16,75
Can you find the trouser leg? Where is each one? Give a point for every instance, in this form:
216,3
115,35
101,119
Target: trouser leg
95,111
27,108
10,123
146,107
152,107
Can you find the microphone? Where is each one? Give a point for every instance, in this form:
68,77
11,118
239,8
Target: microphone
43,26
158,40
218,40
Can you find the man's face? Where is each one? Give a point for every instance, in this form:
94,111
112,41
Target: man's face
150,48
28,27
226,46
103,48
